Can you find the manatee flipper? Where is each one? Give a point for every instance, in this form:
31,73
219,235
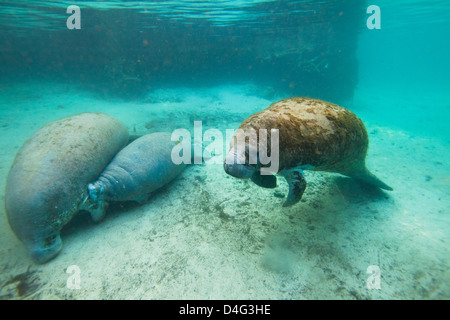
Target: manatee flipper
297,185
365,176
264,180
98,211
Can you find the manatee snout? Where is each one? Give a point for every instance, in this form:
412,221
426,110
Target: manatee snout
236,166
95,190
46,249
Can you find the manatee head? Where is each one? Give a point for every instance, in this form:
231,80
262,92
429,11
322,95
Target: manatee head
242,158
237,166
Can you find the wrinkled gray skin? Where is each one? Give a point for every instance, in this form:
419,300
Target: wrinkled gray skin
140,168
47,182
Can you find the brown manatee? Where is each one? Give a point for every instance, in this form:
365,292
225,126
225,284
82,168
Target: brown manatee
47,183
312,134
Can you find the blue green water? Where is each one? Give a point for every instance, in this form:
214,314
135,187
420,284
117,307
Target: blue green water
161,65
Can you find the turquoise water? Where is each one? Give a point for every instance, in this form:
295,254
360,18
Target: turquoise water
161,65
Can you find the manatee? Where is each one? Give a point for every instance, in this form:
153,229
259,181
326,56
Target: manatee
46,184
313,135
140,168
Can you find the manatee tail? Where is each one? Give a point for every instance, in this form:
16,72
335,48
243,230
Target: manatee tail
366,176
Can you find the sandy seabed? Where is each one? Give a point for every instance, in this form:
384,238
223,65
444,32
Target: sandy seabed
210,236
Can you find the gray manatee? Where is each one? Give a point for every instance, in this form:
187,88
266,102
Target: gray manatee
46,184
140,168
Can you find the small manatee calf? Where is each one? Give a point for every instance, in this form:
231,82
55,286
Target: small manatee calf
312,134
140,168
46,184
